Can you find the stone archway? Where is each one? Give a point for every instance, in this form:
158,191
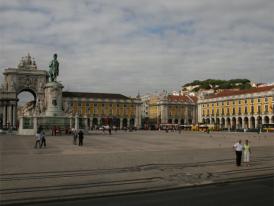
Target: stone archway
266,120
252,122
260,121
223,123
246,123
131,122
125,122
228,122
176,121
26,77
183,121
218,121
233,124
272,119
240,123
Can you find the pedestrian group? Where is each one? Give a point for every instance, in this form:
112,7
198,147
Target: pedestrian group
40,139
242,149
77,134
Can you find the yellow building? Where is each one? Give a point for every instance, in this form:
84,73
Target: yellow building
99,109
172,109
238,109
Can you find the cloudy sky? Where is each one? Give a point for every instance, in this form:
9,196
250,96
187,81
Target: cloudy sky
126,46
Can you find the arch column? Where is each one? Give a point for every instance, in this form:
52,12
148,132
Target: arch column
226,125
5,116
256,122
9,116
128,122
14,116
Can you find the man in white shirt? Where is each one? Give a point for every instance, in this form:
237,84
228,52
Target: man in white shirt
238,149
37,139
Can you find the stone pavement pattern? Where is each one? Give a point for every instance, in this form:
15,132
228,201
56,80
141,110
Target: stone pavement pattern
125,162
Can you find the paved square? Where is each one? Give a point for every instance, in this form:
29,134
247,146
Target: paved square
124,162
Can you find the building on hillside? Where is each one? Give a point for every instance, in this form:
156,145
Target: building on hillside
99,109
171,109
238,109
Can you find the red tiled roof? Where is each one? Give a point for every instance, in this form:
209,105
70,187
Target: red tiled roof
182,98
227,93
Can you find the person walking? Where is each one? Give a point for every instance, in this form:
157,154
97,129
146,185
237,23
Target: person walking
238,149
81,137
75,136
109,130
247,152
43,139
37,139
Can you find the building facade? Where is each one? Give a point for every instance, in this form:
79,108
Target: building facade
100,109
172,109
242,109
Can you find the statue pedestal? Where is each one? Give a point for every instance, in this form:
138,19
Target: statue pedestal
53,99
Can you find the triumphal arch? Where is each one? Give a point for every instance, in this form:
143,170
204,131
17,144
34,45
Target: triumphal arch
26,77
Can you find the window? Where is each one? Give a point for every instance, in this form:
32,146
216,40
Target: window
265,99
266,108
233,110
227,103
245,110
259,100
259,109
240,110
239,102
252,101
103,105
222,103
233,102
245,101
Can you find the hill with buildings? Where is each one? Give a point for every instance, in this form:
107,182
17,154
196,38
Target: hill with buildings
217,84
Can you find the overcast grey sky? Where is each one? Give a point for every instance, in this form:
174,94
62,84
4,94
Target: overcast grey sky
123,46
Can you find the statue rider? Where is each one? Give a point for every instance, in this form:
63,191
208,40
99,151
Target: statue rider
54,69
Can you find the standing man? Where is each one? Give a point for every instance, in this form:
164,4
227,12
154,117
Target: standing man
37,139
43,139
75,135
238,149
81,137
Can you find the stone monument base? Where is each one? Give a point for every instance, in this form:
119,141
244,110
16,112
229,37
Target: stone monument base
30,125
53,99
